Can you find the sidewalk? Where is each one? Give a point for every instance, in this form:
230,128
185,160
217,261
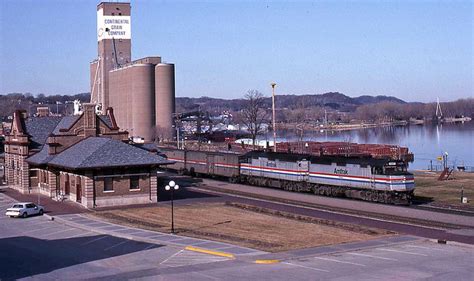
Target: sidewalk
51,207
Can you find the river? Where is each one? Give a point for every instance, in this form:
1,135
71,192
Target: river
427,141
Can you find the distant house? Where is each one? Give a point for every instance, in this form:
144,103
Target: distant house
85,159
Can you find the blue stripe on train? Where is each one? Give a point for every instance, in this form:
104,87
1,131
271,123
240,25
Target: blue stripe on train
362,180
271,172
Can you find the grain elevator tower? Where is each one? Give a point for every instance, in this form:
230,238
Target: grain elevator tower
114,48
142,91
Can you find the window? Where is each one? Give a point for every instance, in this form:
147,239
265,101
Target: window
33,173
134,182
108,184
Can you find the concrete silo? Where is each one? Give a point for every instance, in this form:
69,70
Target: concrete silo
143,91
164,98
142,106
120,89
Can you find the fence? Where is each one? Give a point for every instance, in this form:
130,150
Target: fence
439,168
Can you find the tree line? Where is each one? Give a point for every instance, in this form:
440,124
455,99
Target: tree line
289,108
14,101
394,111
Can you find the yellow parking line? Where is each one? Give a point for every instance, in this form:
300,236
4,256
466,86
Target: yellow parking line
267,261
210,252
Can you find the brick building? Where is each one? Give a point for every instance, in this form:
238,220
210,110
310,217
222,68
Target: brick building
83,158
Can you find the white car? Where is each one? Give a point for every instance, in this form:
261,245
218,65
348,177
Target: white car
24,210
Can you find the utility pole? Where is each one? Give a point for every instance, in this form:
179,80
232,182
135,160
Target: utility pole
176,124
274,125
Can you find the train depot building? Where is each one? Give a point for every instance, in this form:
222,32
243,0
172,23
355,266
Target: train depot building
84,159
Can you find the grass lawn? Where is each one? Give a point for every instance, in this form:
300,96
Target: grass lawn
428,187
243,225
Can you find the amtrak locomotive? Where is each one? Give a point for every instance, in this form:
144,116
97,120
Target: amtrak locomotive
366,178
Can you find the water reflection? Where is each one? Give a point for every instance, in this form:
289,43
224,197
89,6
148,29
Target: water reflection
438,137
426,141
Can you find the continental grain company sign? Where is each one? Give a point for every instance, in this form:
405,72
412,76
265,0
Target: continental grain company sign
113,27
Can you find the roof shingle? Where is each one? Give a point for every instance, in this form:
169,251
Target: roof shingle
97,152
39,128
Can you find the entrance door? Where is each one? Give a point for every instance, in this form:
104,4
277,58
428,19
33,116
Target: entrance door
67,185
78,189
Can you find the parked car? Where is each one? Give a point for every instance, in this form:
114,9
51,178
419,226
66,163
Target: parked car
24,210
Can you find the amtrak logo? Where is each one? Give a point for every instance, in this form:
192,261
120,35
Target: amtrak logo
340,171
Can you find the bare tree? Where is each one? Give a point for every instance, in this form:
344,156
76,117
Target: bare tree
253,115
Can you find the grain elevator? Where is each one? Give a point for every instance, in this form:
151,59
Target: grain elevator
141,91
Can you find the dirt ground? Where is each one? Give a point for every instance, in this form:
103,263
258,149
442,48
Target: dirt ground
449,191
243,225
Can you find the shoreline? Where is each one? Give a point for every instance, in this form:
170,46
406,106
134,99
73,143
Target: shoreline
355,126
338,127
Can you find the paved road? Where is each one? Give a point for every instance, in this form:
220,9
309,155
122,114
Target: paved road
44,249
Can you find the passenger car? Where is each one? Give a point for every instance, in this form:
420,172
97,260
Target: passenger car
24,210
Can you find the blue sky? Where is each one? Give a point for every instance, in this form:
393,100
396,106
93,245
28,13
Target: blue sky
414,50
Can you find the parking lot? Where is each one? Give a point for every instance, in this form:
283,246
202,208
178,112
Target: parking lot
416,260
43,249
39,247
421,260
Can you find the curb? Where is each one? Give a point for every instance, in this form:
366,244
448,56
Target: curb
288,256
449,242
209,252
51,218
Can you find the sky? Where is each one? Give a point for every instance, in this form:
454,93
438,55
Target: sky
413,50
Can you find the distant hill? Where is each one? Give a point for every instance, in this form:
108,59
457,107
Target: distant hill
377,99
332,100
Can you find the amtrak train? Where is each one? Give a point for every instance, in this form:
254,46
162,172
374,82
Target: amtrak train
365,178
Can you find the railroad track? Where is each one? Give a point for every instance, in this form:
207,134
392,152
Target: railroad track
337,210
444,210
201,186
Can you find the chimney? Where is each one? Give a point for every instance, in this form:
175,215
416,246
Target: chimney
19,117
89,120
42,111
110,114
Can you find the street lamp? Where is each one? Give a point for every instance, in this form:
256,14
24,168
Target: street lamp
172,186
273,109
